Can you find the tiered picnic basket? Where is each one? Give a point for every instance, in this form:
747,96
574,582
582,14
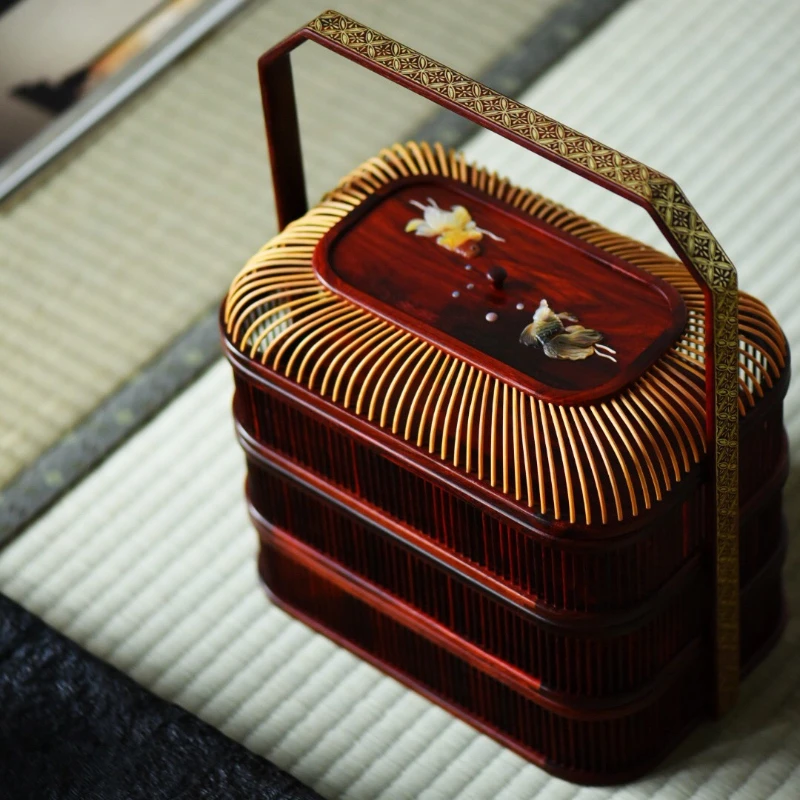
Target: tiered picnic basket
528,466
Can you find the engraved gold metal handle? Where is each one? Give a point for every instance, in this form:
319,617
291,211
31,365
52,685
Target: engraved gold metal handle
658,194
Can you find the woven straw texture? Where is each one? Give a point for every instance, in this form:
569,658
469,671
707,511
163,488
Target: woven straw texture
150,561
137,231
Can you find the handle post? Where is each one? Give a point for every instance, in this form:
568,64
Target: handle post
283,138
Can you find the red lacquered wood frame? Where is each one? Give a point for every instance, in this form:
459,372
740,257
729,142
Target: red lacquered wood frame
579,660
656,193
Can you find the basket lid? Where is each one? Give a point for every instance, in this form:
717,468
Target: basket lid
351,303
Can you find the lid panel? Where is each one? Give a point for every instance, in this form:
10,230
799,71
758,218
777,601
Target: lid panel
470,281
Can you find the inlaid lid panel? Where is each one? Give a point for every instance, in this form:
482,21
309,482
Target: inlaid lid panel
467,273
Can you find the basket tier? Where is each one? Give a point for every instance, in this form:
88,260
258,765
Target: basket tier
593,747
582,656
540,564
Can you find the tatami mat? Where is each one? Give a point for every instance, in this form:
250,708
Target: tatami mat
135,233
150,561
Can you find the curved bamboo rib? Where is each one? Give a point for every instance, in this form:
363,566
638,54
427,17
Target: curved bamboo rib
659,429
345,353
430,398
437,399
550,461
565,461
332,319
471,418
493,435
333,350
505,439
660,389
649,435
576,455
283,323
665,412
396,373
399,409
371,374
598,484
253,294
289,336
623,464
609,471
272,309
631,452
634,414
526,456
370,347
342,325
449,414
626,421
537,446
460,420
515,435
481,428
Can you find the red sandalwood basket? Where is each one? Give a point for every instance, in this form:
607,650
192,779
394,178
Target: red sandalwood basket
528,466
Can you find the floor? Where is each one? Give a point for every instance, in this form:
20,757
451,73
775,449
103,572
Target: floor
149,561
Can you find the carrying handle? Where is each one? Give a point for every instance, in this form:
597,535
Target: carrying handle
658,194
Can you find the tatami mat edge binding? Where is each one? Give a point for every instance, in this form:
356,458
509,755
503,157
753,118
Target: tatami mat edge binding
559,26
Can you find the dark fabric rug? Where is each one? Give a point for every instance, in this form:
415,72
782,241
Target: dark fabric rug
74,727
